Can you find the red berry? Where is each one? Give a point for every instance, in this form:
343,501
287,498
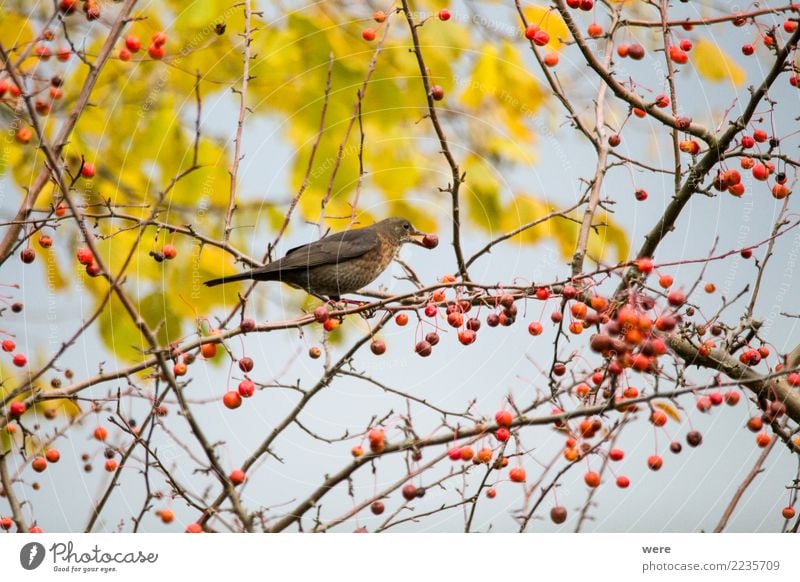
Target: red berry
502,434
160,38
39,464
541,38
85,256
52,455
558,514
444,15
763,439
787,512
454,453
623,482
401,319
232,400
658,418
676,298
534,328
237,476
169,252
246,364
88,170
760,135
194,528
6,523
368,34
377,507
16,409
111,465
504,418
592,479
9,345
616,454
19,360
517,475
437,92
246,388
28,255
156,52
430,241
124,55
68,6
100,433
378,347
654,462
133,43
409,491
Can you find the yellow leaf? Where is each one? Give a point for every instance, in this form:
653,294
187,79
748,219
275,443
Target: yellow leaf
669,409
715,65
549,21
482,190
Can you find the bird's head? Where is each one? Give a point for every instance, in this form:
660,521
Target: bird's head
401,230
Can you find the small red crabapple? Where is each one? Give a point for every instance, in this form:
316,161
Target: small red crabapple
377,507
133,43
763,439
88,170
160,38
100,433
246,364
616,454
517,475
409,491
368,34
166,515
39,464
16,409
504,418
437,92
654,462
444,15
541,38
502,434
9,345
124,55
169,251
232,400
156,52
401,319
491,493
237,476
28,255
378,347
379,16
194,528
246,388
111,465
52,455
534,328
787,512
430,241
19,360
592,479
623,482
558,514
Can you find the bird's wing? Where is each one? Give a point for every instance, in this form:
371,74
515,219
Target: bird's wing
331,249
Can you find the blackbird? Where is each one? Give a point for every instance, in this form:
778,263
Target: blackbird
339,263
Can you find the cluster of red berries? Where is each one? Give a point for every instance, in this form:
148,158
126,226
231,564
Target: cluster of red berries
86,258
19,359
246,388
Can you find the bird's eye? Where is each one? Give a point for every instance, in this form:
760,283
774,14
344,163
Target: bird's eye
406,225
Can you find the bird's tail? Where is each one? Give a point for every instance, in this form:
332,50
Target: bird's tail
230,279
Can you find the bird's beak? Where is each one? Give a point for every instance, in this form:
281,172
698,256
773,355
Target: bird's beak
416,237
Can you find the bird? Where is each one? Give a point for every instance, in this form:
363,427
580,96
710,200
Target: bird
339,263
